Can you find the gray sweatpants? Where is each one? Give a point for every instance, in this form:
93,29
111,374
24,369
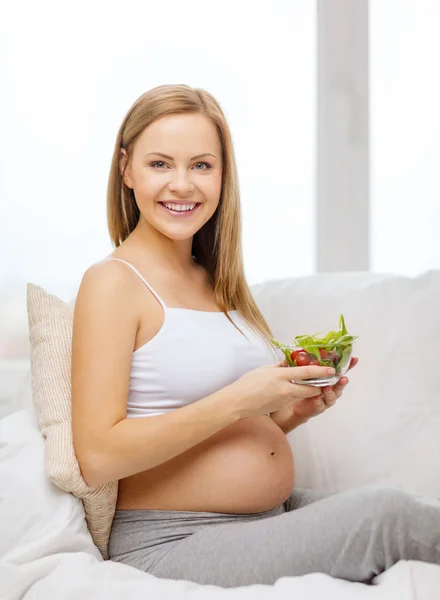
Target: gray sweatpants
353,535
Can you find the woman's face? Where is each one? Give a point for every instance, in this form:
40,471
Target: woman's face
190,173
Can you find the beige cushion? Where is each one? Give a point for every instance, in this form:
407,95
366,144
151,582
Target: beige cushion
50,333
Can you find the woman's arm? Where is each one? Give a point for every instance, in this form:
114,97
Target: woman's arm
109,446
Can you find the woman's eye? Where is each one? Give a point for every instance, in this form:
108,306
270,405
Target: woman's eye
204,163
160,162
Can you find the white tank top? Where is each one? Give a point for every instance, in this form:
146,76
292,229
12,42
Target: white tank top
193,355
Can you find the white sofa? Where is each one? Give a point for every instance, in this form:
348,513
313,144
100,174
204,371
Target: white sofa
384,429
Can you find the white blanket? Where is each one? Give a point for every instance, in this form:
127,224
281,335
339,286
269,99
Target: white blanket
46,551
80,575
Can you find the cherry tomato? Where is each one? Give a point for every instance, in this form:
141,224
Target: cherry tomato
334,357
294,353
323,352
315,361
303,359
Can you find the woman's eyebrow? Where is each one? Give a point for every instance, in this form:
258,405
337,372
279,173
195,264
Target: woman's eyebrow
171,158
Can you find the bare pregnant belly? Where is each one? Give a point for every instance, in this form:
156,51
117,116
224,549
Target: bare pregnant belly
246,467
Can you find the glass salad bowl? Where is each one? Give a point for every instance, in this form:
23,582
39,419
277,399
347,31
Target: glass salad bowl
334,349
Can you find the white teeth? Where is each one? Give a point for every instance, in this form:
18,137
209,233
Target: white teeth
180,207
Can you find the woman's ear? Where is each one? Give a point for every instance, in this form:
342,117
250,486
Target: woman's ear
124,168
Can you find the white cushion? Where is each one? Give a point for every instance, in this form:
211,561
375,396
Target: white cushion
50,335
386,426
36,517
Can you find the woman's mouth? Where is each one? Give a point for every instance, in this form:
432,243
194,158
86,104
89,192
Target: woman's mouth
181,213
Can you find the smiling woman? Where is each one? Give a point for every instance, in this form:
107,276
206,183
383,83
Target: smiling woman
176,223
174,381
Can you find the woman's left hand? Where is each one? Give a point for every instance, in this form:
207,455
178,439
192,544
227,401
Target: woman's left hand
316,405
301,410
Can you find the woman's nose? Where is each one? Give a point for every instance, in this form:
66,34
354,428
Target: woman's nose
181,181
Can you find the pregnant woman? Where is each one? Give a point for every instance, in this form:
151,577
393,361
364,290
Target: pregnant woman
178,395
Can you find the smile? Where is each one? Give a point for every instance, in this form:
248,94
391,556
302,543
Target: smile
180,213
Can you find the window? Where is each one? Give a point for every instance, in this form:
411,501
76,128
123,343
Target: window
405,135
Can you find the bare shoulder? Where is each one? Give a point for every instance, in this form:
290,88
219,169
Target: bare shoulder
104,274
105,280
108,288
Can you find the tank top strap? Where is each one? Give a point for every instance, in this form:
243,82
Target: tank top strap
165,307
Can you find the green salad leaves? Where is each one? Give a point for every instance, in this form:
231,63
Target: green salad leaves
333,349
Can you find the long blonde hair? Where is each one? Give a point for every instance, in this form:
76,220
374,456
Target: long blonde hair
217,245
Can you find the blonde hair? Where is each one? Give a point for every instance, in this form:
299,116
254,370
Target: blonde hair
217,245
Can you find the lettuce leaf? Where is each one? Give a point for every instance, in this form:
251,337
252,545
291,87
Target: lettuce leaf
339,341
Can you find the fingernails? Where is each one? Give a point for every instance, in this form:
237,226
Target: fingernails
331,371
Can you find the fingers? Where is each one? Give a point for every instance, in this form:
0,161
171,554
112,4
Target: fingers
330,395
325,400
310,407
354,361
309,372
339,387
320,404
300,390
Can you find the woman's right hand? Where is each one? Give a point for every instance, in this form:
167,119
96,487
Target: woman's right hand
268,388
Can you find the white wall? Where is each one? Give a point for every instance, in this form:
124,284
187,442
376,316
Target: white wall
73,73
72,70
